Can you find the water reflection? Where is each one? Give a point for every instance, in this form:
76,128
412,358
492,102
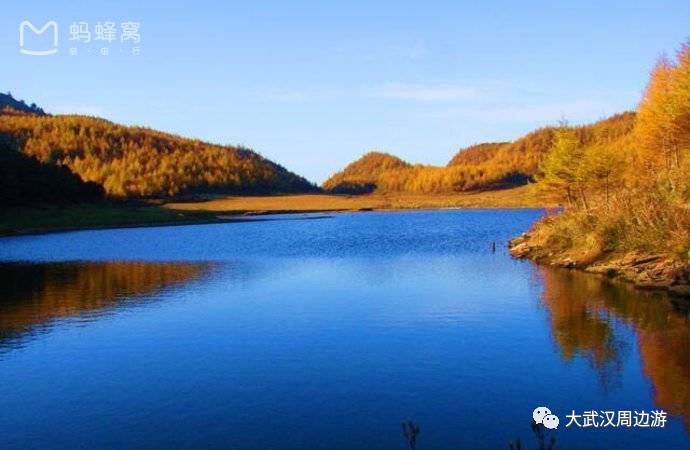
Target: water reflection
589,317
35,295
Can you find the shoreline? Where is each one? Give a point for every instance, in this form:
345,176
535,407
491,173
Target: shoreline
37,220
517,197
644,270
222,218
45,231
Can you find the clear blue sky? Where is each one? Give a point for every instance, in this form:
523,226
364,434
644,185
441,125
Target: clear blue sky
314,85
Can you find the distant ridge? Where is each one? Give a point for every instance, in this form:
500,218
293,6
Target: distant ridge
7,101
478,167
361,176
477,153
136,162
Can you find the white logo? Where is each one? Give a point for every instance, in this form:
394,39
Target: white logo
49,51
542,415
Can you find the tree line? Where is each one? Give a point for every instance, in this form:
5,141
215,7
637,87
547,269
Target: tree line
478,167
629,187
25,181
135,162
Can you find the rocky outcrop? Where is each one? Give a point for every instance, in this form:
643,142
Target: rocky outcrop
644,270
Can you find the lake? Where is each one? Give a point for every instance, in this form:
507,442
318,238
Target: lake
313,332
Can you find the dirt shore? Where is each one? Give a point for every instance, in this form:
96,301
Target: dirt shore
519,197
644,270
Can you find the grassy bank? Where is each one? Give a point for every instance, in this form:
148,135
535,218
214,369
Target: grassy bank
35,220
579,241
520,197
627,190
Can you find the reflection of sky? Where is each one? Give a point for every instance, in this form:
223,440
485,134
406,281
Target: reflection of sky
450,232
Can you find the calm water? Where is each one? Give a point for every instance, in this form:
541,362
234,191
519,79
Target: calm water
324,334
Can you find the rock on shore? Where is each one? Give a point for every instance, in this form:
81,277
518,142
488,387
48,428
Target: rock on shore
646,271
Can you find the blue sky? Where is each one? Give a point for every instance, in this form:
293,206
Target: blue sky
313,85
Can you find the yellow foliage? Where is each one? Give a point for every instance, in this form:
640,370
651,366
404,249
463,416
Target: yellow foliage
140,162
628,190
479,167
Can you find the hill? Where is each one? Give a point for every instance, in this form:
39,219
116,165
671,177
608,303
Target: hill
363,175
625,184
135,162
9,102
479,167
25,181
476,154
515,163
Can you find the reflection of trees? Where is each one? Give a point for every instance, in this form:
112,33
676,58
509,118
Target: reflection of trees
580,325
34,294
666,360
583,308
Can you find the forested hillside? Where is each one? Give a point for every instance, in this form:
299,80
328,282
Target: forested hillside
9,102
140,162
477,154
364,175
479,167
626,184
24,181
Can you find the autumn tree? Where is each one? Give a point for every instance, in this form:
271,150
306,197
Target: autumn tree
663,125
603,166
139,162
561,171
654,128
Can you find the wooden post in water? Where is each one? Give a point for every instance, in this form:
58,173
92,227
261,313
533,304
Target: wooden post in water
493,247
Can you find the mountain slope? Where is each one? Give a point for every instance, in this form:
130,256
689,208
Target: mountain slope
518,162
362,175
24,182
9,102
626,190
479,167
477,153
140,162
